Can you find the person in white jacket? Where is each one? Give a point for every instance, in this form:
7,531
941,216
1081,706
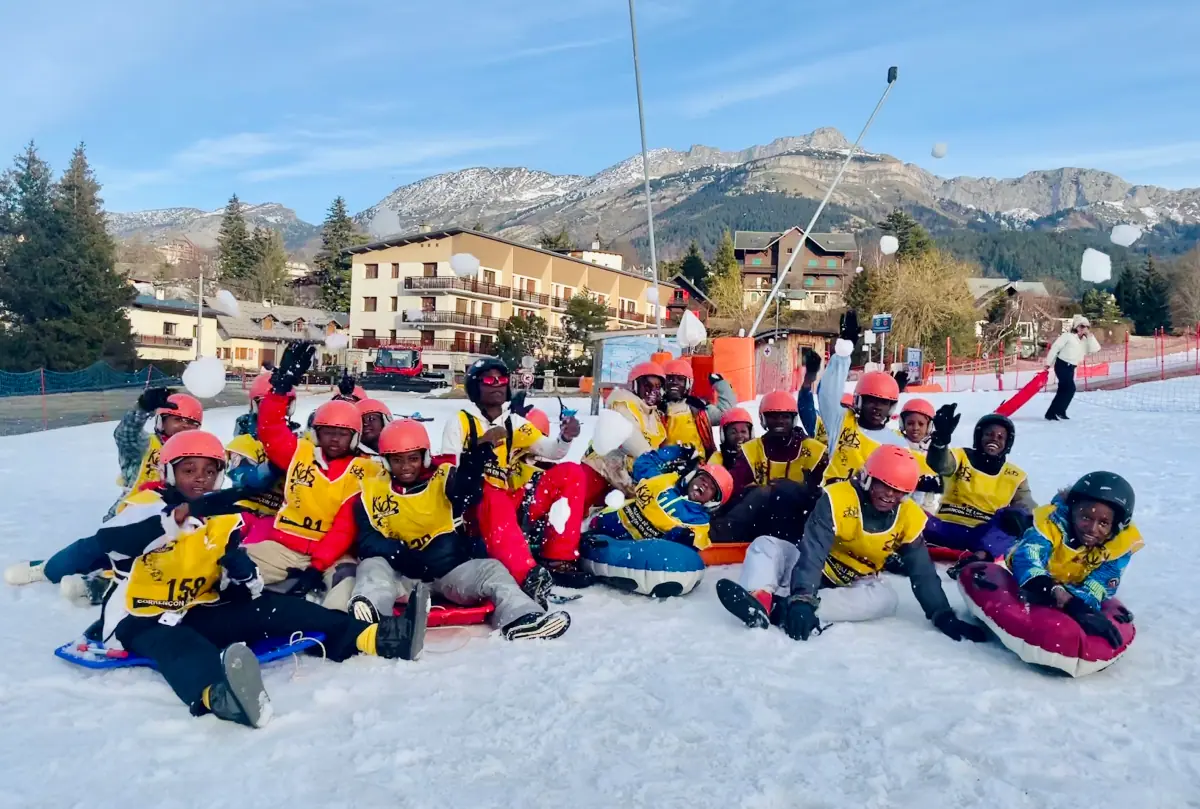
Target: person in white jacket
1067,352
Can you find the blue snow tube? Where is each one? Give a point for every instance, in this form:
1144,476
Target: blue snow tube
657,568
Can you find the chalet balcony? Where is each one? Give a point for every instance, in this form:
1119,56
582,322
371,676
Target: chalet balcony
531,297
455,319
162,341
468,286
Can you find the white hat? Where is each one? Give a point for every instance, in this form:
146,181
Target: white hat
1079,320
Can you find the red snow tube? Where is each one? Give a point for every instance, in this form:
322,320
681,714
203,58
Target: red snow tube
1043,636
442,613
940,554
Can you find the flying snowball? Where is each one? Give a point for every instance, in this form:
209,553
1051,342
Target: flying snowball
413,315
1125,235
226,303
691,332
204,378
652,295
1097,266
939,150
858,269
560,512
464,265
614,499
889,244
336,342
612,429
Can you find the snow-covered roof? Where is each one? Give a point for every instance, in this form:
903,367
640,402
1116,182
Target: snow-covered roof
762,239
981,287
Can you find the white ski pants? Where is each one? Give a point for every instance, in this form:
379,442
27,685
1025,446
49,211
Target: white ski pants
471,583
768,566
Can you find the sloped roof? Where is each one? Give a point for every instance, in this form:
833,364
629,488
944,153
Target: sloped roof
982,287
762,239
753,239
285,314
168,305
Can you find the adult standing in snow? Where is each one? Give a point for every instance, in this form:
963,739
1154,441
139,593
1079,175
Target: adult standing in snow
1067,352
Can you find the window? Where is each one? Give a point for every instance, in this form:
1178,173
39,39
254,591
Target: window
298,326
168,328
395,270
812,262
392,335
428,304
243,354
460,305
195,331
372,271
368,334
831,282
809,281
832,263
394,303
818,298
756,262
789,249
487,310
370,304
485,344
426,338
268,323
429,269
489,277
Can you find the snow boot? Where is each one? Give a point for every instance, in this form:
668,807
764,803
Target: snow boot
746,606
25,572
538,584
95,631
569,574
403,636
360,607
239,696
84,591
545,625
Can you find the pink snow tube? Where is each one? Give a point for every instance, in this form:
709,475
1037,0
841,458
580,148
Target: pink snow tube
1042,636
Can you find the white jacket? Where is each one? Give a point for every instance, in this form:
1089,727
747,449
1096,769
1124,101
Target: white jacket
1071,348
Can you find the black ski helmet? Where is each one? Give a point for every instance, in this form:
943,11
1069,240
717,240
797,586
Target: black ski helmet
989,420
1108,488
478,369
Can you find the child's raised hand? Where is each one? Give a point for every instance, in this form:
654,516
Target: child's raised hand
569,428
180,513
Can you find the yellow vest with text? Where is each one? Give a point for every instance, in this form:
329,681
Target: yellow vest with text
645,518
821,434
414,519
797,469
682,430
181,572
857,552
850,454
311,500
654,430
1069,565
971,497
148,471
506,471
250,448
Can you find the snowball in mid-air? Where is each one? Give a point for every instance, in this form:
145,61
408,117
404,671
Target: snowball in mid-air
464,265
336,341
413,315
614,499
939,150
889,244
560,512
1125,235
1097,266
226,303
858,269
612,429
652,295
691,332
204,378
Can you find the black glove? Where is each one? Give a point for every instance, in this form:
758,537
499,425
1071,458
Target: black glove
982,581
1092,622
812,362
224,501
801,619
517,405
849,326
468,476
696,403
293,365
930,484
901,378
1015,522
154,398
309,580
681,534
346,385
1039,591
1123,616
952,626
684,465
238,566
715,378
945,421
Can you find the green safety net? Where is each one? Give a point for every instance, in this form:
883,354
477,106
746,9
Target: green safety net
100,376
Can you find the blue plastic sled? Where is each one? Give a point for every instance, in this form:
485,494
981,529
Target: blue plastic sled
95,656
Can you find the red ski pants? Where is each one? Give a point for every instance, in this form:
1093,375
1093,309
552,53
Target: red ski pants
595,487
497,518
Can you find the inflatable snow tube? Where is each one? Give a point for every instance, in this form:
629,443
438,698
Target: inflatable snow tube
725,553
657,568
1042,636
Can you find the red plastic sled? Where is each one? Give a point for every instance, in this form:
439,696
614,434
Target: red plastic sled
940,554
1043,636
724,553
442,613
1022,397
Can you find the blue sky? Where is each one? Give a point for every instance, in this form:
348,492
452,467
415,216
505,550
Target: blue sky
296,101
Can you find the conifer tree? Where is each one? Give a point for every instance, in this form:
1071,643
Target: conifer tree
235,247
332,264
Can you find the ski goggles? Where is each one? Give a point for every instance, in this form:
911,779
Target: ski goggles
493,381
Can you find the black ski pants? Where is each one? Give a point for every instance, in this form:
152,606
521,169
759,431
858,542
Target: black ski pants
1065,373
779,509
188,654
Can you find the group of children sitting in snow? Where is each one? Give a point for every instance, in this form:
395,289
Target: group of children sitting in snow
349,527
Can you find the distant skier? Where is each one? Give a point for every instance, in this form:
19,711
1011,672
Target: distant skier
1065,354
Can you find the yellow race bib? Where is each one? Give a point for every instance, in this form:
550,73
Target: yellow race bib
312,500
971,497
645,516
807,457
414,519
1069,565
181,572
857,552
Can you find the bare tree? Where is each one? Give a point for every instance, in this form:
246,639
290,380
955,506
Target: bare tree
1185,288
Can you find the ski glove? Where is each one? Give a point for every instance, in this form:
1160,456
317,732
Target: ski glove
154,398
901,378
1015,522
241,570
293,365
681,534
1092,622
1123,616
801,619
849,326
346,385
930,484
812,362
945,421
309,580
1039,590
954,627
517,405
715,378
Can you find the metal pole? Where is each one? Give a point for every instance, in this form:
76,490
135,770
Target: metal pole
637,79
200,314
597,371
892,73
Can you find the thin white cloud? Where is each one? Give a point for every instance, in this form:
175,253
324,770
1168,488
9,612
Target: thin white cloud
1131,159
559,47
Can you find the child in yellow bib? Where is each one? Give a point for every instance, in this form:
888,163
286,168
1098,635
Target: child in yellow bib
639,403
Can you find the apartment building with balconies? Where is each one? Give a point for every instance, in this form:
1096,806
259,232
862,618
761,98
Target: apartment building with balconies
403,291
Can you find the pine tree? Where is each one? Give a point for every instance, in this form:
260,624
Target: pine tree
725,260
235,249
558,241
1129,293
1155,299
61,296
914,239
268,277
332,263
693,267
520,336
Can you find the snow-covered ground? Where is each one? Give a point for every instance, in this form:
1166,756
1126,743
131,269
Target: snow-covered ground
642,703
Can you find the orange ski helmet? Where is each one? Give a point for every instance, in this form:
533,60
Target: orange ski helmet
539,419
405,435
645,369
190,444
736,415
722,478
180,405
922,406
877,384
892,466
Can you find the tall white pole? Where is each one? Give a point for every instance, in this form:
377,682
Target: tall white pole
200,314
892,74
637,79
